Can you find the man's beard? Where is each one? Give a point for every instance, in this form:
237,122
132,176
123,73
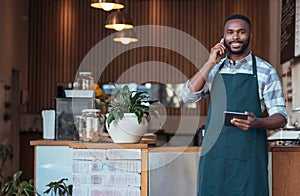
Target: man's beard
242,50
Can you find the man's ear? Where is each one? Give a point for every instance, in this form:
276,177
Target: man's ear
251,35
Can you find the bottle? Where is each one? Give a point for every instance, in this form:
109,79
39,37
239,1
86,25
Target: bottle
79,125
85,81
93,125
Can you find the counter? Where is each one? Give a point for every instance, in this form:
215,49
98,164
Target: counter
173,171
286,170
138,169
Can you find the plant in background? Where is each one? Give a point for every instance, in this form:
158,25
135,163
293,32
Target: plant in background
17,187
126,101
59,188
6,154
101,99
99,93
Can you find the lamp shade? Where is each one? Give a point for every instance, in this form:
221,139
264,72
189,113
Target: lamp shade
126,36
107,5
118,21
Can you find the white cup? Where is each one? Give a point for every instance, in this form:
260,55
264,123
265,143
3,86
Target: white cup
48,124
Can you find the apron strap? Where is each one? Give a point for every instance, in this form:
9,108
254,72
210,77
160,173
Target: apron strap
254,65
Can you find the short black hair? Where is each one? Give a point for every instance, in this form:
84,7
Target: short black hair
238,16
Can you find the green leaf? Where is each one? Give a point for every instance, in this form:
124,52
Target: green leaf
31,182
153,102
120,114
70,189
17,175
110,118
47,191
62,180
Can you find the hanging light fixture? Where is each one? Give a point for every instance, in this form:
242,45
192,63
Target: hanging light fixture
118,21
107,5
126,36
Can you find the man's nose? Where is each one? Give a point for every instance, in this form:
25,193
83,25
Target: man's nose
236,35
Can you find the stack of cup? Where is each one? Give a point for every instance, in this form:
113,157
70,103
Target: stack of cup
48,124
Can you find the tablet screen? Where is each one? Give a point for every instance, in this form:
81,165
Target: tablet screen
230,115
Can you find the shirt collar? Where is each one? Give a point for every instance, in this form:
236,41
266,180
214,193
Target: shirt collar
239,63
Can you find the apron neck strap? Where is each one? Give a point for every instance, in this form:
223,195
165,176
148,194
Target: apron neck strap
254,65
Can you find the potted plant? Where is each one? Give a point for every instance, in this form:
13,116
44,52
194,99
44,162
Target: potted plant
17,187
6,154
127,120
59,188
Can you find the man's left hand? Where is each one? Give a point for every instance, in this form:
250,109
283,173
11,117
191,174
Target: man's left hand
249,123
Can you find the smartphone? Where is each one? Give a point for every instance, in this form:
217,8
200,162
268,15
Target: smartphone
228,115
222,40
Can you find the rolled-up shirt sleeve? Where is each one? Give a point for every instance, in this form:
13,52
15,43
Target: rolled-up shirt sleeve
191,97
273,96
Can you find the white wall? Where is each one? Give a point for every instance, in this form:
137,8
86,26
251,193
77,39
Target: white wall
13,39
295,116
13,55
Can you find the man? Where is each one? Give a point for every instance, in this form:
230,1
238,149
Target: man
234,159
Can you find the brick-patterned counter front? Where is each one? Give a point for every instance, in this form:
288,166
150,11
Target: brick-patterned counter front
107,172
110,169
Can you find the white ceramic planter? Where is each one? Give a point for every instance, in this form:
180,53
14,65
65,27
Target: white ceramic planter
127,130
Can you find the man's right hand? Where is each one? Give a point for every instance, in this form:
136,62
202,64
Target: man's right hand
197,82
216,53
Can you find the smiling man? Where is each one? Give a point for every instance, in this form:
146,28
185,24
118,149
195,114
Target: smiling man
234,158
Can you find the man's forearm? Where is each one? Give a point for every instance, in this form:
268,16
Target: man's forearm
275,121
197,82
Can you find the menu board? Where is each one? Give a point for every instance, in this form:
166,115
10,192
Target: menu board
287,47
297,28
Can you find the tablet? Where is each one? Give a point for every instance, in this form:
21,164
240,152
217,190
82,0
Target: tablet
230,115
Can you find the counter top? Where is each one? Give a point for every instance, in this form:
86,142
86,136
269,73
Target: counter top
83,145
175,149
285,148
106,145
45,142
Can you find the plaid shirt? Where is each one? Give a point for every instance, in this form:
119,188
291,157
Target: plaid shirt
269,84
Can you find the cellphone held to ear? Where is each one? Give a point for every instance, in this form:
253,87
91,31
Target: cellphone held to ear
222,41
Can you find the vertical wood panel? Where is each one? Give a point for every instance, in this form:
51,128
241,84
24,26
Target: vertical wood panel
291,164
63,31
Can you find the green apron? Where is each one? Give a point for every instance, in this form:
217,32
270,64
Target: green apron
234,162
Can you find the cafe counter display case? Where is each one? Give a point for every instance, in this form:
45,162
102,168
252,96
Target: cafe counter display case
145,169
116,169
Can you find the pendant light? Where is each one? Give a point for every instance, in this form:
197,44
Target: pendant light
107,5
118,21
126,36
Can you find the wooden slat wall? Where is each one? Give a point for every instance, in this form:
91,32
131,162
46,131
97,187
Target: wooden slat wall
62,32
